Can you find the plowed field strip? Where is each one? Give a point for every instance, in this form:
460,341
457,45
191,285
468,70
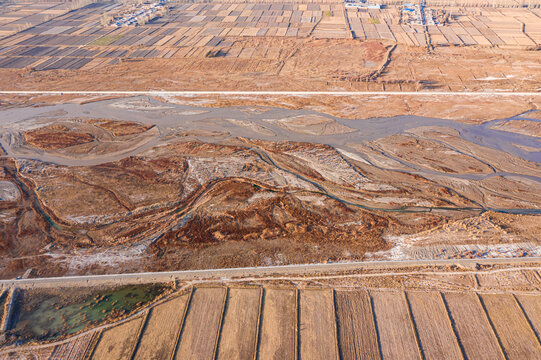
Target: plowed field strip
436,335
531,305
512,327
202,325
118,342
357,336
395,329
317,328
159,336
239,330
472,326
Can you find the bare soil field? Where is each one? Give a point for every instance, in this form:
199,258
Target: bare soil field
531,306
202,325
437,341
477,338
396,330
239,333
317,328
303,64
278,339
357,335
512,327
161,330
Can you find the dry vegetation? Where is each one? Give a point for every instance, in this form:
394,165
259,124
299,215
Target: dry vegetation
436,336
238,336
55,137
397,336
317,326
514,332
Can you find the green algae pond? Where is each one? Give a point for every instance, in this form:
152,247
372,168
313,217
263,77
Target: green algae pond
47,315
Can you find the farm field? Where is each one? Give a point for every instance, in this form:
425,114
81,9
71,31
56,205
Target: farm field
397,335
317,328
119,342
356,328
437,340
286,45
477,338
77,40
531,306
238,339
278,339
161,329
201,327
512,327
339,318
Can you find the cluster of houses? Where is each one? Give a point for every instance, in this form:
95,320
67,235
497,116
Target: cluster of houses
418,14
361,4
139,14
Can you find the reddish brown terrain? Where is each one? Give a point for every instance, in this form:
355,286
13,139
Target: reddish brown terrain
203,187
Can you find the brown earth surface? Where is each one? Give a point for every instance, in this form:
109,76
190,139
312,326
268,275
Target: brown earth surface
306,64
55,137
178,190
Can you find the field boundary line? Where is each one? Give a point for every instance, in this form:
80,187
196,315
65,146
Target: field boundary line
89,352
335,322
413,325
376,327
270,92
225,304
297,342
140,332
182,322
259,322
483,306
452,325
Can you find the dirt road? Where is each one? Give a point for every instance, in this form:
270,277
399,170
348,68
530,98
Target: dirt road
188,275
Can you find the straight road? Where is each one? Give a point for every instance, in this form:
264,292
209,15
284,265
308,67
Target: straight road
285,93
312,269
